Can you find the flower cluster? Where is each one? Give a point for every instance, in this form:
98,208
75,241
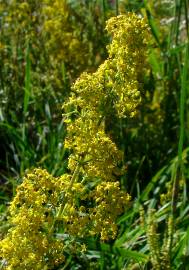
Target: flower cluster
110,202
92,208
126,61
30,243
113,88
59,42
159,254
67,30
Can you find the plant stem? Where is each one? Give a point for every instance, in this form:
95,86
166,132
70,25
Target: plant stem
62,206
117,7
179,165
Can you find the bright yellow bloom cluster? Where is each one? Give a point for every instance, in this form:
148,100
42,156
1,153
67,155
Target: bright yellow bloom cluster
30,244
110,202
112,89
92,207
89,142
126,61
116,80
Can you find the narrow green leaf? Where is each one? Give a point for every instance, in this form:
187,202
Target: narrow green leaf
27,88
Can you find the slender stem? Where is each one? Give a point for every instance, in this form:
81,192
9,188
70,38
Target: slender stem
178,18
104,10
117,7
179,165
62,206
186,17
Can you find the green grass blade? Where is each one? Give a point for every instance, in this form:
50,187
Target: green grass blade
27,88
182,103
152,24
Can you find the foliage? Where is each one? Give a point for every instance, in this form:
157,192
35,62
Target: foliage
41,55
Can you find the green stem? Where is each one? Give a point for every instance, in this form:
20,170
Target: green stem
179,164
62,206
117,7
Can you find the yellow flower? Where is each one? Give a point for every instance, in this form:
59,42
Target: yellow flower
111,90
29,243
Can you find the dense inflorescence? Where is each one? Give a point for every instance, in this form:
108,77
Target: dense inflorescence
159,254
30,243
66,41
112,89
88,199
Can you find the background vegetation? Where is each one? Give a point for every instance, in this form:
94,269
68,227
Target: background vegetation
44,47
